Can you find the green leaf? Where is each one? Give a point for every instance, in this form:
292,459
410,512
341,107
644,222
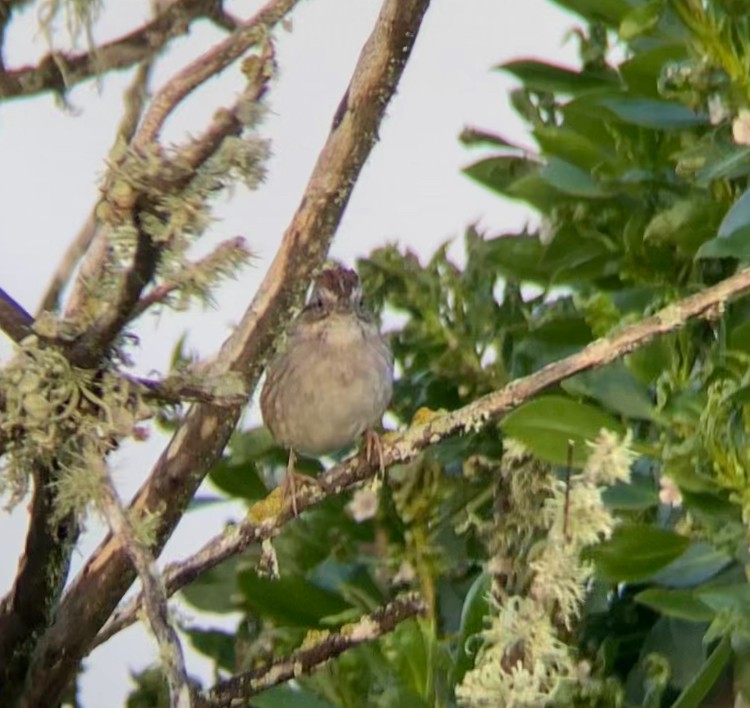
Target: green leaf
499,173
571,146
733,237
641,19
615,388
216,590
739,339
737,218
285,697
733,162
576,258
475,609
682,604
216,645
651,113
535,189
572,180
610,12
476,605
687,223
640,493
238,480
474,136
735,246
636,551
680,643
651,361
641,72
291,601
517,257
700,562
540,76
727,598
251,445
547,424
694,693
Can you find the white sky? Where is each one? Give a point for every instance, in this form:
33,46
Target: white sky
411,192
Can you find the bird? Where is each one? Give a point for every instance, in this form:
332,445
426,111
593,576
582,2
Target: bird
332,381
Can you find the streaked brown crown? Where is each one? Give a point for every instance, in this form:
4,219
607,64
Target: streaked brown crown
336,288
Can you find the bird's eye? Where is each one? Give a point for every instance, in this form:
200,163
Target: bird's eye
316,306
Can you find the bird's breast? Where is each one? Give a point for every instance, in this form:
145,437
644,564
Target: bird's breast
335,387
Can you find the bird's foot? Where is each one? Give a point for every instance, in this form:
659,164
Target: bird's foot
373,449
292,481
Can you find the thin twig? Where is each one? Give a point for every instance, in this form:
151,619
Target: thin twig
134,99
67,265
236,690
178,389
267,517
227,121
227,251
212,62
154,595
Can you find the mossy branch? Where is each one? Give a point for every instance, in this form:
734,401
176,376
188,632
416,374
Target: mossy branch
267,517
154,595
314,654
60,72
199,442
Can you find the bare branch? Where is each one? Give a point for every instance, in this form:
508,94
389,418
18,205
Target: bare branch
215,60
179,389
154,596
135,98
14,320
67,265
236,690
94,594
27,610
267,517
59,72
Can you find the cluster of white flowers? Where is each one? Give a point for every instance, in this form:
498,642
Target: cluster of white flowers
522,660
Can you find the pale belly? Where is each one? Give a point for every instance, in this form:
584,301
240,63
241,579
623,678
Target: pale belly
332,396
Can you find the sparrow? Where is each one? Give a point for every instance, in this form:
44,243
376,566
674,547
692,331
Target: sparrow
332,381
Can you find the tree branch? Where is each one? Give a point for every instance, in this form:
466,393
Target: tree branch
59,72
67,265
135,99
27,610
154,596
174,176
93,595
14,320
177,389
212,62
238,689
267,517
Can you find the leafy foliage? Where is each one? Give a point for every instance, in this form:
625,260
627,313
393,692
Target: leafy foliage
641,185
